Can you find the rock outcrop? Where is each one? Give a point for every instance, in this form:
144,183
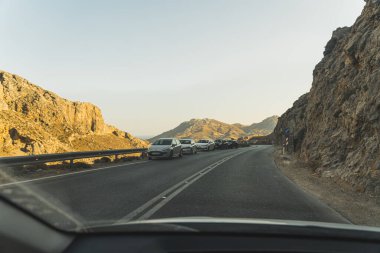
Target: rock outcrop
214,129
36,121
336,126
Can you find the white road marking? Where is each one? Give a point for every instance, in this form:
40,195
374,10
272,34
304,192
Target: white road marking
153,205
68,174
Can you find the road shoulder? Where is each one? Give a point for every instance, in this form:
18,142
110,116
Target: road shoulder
359,208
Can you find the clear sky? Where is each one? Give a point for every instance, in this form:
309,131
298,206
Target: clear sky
149,65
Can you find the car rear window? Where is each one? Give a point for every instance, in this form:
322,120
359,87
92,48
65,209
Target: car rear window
163,142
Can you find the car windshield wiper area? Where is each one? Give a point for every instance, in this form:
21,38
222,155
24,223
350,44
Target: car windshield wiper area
241,225
190,234
142,227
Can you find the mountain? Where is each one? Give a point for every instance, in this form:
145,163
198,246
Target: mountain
336,126
214,129
37,121
265,127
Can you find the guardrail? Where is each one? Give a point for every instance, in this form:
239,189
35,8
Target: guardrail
70,156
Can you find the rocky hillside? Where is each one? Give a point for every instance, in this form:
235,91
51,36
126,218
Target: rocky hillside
264,127
336,126
210,128
36,121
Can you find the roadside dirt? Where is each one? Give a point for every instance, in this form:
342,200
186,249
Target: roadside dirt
359,208
59,168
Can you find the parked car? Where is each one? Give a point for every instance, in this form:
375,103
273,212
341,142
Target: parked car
165,147
218,143
188,146
232,144
221,144
243,142
205,144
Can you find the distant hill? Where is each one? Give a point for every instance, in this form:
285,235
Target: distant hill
265,127
37,121
214,129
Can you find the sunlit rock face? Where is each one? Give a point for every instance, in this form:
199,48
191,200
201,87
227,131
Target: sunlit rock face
336,126
35,121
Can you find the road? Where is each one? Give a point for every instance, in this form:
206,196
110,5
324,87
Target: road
240,183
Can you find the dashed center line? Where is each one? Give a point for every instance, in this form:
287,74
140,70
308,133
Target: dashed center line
152,206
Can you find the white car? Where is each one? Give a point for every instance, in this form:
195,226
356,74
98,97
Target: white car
188,146
165,147
205,144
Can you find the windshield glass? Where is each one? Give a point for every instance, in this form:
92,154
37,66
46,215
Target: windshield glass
163,142
90,103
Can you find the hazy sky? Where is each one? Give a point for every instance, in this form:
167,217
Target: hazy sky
149,65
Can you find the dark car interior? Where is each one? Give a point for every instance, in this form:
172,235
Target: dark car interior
21,232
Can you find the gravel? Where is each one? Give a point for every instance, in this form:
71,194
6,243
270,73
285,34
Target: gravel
360,208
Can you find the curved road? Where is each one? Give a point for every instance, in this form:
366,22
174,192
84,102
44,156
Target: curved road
241,183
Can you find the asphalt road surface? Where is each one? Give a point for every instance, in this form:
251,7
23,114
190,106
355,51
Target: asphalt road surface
239,183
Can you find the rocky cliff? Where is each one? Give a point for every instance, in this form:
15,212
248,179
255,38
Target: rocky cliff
35,121
336,126
214,129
